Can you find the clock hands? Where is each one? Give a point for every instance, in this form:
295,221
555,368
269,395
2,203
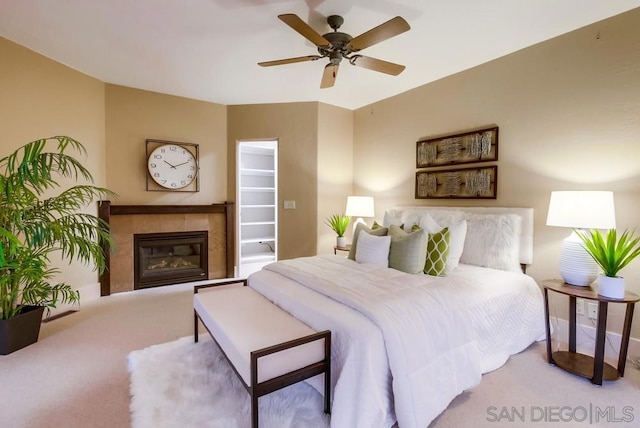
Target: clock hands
175,166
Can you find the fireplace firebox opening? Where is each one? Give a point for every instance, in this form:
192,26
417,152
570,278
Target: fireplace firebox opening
169,258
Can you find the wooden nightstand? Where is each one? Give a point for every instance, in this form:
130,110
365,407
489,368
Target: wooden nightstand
347,248
593,368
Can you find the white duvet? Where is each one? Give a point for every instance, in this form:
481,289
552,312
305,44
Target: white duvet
405,345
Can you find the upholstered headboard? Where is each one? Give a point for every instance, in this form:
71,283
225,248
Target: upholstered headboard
526,231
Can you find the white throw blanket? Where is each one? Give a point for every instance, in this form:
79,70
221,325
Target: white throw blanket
431,349
440,334
360,376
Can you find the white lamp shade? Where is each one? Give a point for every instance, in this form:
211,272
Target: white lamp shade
580,210
360,206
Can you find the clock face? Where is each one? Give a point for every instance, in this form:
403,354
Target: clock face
172,166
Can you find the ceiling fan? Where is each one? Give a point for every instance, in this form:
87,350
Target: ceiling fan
337,45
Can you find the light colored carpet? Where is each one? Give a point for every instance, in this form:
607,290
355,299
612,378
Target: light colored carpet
186,384
77,376
529,392
182,384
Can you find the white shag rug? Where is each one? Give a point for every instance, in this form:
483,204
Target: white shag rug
186,384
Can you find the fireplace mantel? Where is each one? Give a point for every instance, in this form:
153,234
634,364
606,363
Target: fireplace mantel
106,211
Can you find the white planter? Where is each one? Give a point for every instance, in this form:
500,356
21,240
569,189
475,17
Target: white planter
612,287
341,241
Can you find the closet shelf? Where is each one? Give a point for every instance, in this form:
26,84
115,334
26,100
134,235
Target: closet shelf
257,189
257,223
251,171
259,257
254,240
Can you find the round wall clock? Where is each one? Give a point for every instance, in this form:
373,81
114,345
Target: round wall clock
172,166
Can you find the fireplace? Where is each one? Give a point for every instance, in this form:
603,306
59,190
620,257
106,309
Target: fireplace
169,258
127,220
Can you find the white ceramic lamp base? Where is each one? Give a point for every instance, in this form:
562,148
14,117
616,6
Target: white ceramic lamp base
355,224
577,267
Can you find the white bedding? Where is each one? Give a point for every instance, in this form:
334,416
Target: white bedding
433,336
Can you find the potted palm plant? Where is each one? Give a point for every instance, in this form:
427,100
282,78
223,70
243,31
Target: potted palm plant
339,224
35,223
611,253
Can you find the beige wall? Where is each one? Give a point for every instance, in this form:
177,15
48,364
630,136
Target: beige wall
295,127
43,98
568,114
133,116
567,110
335,170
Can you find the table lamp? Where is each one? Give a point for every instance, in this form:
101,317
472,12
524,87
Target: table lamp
580,210
359,207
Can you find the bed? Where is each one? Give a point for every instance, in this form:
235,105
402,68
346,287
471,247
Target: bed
406,344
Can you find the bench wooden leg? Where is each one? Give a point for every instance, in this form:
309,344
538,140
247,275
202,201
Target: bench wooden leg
195,326
327,374
254,410
327,392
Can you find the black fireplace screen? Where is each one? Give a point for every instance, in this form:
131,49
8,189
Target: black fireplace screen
169,258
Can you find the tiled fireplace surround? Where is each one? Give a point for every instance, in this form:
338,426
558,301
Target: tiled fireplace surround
127,220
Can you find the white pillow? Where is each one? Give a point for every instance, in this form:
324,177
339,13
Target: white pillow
457,233
411,217
457,239
388,220
427,222
373,249
493,241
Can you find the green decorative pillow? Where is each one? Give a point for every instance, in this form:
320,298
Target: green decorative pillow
408,251
361,227
437,253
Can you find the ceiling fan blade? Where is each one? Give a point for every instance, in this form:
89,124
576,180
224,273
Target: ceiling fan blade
329,76
382,32
289,60
304,29
378,65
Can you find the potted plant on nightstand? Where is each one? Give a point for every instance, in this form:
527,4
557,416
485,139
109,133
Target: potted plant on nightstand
339,224
35,223
611,253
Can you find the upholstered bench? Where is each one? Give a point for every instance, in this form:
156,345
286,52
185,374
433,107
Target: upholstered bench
267,347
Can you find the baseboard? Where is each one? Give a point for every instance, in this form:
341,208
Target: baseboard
585,340
88,292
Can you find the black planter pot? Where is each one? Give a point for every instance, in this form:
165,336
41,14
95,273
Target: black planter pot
20,331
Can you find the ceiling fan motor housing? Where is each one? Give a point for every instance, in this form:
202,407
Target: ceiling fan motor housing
339,42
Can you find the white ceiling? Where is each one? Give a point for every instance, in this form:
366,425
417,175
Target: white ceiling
209,49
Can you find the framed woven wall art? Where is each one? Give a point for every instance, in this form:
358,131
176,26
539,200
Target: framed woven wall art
467,147
461,183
